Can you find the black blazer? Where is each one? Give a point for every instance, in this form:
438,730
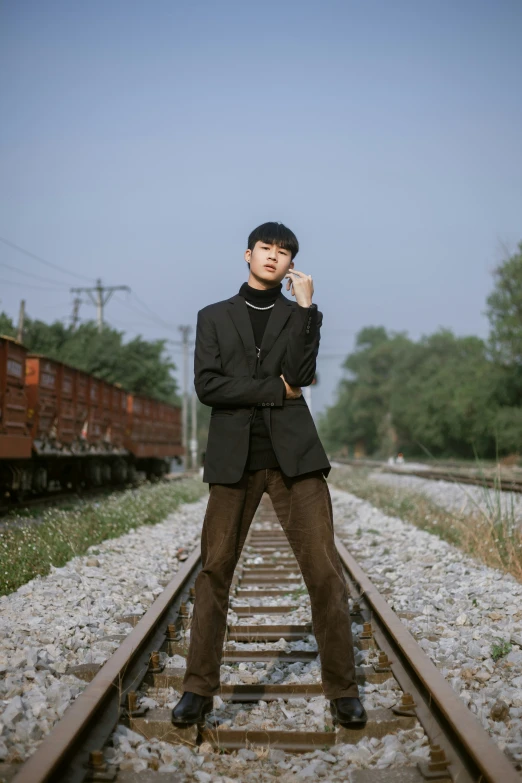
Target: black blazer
234,381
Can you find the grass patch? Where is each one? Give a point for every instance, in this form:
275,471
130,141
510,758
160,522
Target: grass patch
298,592
490,534
499,649
29,550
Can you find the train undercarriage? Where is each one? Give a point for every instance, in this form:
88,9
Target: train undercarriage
50,473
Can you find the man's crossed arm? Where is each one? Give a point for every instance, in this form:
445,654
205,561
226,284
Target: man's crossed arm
213,387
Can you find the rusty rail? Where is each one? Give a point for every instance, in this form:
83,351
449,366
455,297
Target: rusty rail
446,719
88,722
455,477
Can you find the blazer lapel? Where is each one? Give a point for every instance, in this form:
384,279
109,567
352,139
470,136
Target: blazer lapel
239,314
278,318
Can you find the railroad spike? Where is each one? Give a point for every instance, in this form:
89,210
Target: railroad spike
438,761
155,666
437,766
98,769
366,631
383,664
406,706
184,616
133,710
97,760
172,634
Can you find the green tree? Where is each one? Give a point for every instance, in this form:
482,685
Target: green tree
444,396
140,366
505,310
508,429
439,395
505,317
7,326
361,411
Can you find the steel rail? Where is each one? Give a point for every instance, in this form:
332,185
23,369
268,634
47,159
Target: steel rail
454,477
503,485
90,720
445,718
64,753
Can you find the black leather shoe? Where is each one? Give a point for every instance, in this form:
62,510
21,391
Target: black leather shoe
348,711
191,709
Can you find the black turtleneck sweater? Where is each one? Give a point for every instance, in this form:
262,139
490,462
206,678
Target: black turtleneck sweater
261,454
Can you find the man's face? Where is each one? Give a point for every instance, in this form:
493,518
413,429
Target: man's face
269,263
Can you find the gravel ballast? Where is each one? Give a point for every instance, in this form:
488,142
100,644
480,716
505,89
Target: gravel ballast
459,498
462,613
68,618
458,610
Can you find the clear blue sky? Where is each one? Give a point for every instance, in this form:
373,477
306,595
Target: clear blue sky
141,142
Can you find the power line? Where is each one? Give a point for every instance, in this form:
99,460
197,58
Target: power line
35,277
43,260
29,285
143,304
130,326
57,306
153,318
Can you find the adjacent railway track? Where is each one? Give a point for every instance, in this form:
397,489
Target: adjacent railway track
264,597
496,481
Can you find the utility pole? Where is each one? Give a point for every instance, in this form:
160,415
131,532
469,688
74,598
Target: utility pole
191,447
100,295
185,332
21,322
194,433
75,313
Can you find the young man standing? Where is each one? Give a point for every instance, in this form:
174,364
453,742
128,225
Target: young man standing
253,354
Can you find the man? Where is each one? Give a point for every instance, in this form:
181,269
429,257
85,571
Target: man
253,354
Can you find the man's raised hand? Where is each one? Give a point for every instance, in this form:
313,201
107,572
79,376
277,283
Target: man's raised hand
301,286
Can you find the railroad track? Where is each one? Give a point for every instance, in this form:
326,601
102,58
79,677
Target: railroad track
266,595
456,477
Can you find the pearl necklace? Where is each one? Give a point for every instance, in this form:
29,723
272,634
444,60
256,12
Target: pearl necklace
259,308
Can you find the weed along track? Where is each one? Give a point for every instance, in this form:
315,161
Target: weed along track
271,709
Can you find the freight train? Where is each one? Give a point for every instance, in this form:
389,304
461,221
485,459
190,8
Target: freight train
61,427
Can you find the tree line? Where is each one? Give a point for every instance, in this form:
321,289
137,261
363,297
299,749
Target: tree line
443,395
140,366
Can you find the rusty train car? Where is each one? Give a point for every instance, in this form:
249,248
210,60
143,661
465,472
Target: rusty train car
62,427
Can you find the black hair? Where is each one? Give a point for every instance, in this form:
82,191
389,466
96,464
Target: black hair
274,234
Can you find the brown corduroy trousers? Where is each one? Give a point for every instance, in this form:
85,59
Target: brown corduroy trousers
304,509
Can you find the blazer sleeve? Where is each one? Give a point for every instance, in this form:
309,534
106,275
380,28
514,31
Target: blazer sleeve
213,387
299,362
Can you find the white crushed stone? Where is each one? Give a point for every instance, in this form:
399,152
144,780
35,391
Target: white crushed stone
129,749
460,609
68,617
462,606
254,764
459,498
254,672
291,714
